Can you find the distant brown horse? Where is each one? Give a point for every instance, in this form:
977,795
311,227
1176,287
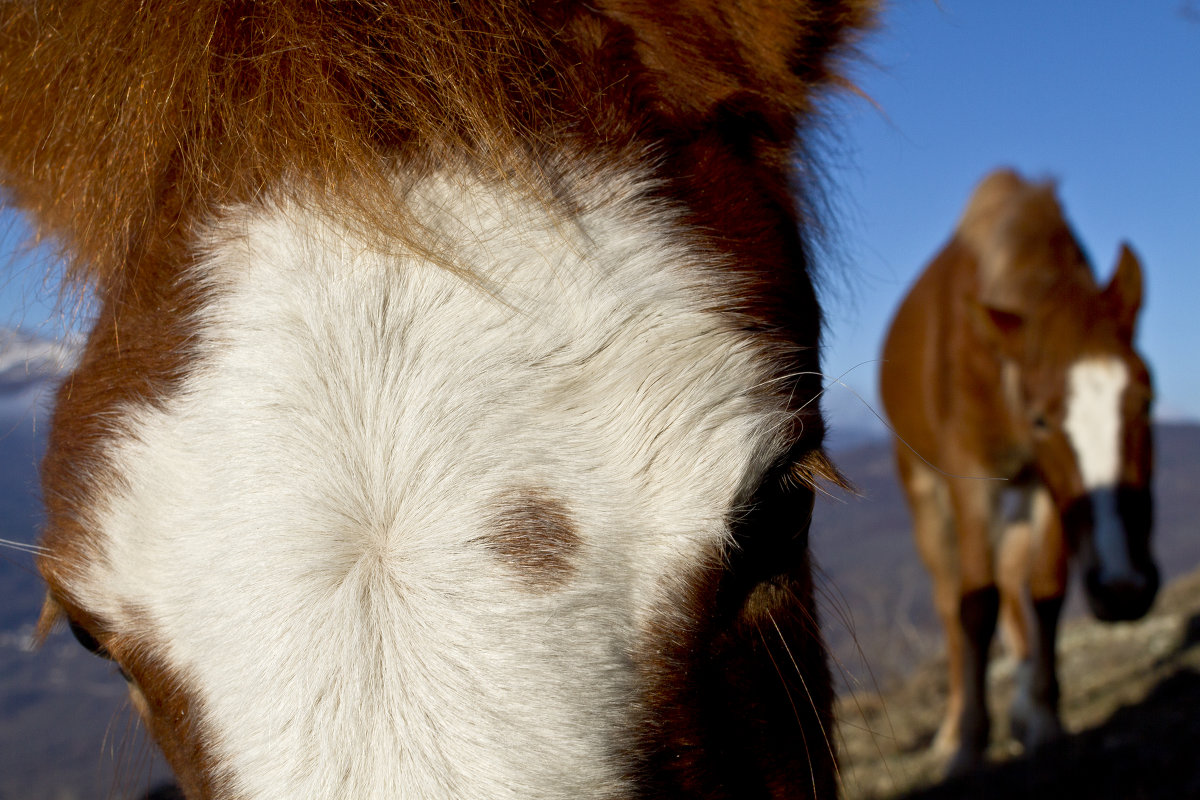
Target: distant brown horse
1021,410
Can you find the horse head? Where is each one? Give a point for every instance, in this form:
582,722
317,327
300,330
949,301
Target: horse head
1082,397
447,428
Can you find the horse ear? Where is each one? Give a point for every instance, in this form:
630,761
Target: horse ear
704,53
1124,292
1001,328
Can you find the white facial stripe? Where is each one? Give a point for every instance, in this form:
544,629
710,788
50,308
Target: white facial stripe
301,523
1095,387
1093,423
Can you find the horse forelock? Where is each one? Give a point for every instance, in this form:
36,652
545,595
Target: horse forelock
127,125
1023,246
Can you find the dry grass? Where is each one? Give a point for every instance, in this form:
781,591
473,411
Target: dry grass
1131,702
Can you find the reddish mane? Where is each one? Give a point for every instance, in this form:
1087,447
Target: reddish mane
125,123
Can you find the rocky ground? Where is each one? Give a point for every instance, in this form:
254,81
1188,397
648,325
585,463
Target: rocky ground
1131,705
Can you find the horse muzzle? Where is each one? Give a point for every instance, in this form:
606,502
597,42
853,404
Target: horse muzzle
1121,598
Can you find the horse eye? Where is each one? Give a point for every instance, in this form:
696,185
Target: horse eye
89,642
93,646
1041,423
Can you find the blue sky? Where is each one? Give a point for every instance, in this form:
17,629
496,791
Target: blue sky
1103,95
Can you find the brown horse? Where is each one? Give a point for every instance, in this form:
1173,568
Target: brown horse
1021,411
446,429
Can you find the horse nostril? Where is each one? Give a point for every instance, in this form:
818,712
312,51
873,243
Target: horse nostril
1124,583
1126,596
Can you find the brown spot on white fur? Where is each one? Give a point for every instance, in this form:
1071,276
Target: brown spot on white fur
531,532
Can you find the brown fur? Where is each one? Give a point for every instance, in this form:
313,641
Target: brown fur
816,471
531,532
126,123
127,126
973,380
156,690
740,665
1010,224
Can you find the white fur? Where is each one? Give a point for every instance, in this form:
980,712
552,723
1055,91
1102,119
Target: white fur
1095,387
299,526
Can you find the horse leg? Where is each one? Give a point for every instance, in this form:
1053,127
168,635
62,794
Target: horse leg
1013,568
976,511
1034,711
1012,579
933,532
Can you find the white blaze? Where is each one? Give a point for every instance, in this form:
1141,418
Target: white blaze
1093,424
300,524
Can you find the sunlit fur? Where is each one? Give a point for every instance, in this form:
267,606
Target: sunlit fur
321,483
449,420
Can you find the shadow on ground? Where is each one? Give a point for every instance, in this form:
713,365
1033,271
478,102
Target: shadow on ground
1131,698
1147,750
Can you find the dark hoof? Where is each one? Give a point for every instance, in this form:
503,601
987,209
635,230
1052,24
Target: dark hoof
1036,729
964,761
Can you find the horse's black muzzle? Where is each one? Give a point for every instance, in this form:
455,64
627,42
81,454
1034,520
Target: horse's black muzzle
1119,601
